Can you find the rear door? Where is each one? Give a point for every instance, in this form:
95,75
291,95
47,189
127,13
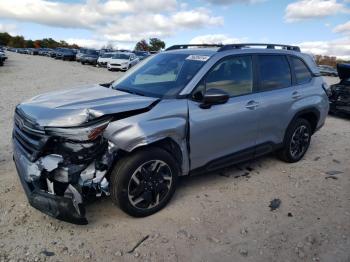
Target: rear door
277,95
223,132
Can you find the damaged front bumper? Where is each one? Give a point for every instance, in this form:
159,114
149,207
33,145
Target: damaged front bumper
61,207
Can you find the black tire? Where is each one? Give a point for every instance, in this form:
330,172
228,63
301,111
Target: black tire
82,63
124,188
293,151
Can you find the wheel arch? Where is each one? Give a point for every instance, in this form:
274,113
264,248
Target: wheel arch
171,146
312,115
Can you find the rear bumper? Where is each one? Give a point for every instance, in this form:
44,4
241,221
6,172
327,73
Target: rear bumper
58,207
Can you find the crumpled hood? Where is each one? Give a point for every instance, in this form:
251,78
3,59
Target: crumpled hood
343,71
77,106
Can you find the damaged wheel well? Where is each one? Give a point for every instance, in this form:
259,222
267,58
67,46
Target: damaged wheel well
168,145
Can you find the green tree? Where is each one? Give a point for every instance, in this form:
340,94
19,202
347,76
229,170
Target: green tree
156,44
17,41
5,38
29,44
142,46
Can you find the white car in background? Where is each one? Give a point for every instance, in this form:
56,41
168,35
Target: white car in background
122,61
103,59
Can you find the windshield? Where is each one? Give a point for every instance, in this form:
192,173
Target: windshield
91,52
106,55
121,56
163,75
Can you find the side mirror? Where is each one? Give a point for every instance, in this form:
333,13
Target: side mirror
214,97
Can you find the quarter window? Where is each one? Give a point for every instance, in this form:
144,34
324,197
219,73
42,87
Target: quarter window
274,72
302,73
233,75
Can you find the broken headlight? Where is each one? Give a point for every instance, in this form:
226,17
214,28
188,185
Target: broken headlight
87,132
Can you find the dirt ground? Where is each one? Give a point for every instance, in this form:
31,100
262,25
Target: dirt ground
222,216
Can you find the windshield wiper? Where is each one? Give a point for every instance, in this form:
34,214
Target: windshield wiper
130,91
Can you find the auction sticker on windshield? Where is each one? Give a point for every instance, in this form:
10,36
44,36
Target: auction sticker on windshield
197,58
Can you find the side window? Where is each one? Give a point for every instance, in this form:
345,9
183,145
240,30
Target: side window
233,75
302,73
274,72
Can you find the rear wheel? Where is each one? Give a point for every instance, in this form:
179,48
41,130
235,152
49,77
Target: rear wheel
144,182
297,141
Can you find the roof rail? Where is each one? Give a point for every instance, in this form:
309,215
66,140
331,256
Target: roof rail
268,46
174,47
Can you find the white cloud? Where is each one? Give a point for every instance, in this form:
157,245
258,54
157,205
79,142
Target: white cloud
113,20
196,18
308,9
216,39
339,48
229,2
9,28
343,28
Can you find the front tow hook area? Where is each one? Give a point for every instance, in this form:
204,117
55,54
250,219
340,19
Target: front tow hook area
61,208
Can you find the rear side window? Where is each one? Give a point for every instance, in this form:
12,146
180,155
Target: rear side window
302,73
274,72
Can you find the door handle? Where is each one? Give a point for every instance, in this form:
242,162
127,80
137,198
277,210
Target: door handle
252,105
296,95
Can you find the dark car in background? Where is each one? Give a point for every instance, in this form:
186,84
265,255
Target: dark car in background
90,57
33,51
327,70
3,57
339,95
80,53
142,54
66,54
44,51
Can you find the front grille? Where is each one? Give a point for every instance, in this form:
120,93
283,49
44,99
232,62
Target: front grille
28,136
116,64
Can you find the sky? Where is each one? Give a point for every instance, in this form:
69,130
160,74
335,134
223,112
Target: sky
317,26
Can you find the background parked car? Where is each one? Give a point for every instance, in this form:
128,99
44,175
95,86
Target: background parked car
104,58
122,61
142,54
66,54
2,58
80,53
33,51
326,70
90,57
339,96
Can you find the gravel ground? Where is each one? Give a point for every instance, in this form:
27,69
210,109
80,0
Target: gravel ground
222,216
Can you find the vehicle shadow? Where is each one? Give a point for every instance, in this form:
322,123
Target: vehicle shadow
99,208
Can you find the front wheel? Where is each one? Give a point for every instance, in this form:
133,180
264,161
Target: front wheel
144,182
297,141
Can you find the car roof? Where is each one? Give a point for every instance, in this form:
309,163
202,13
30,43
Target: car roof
195,51
216,50
124,53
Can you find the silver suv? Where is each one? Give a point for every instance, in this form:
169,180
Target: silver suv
187,110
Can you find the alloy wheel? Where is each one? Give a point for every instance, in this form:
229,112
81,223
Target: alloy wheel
150,184
300,141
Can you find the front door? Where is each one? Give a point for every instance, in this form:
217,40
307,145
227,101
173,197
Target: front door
225,131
